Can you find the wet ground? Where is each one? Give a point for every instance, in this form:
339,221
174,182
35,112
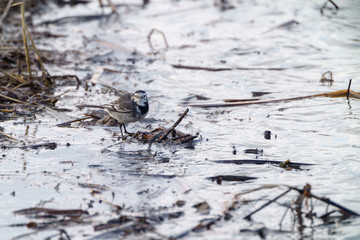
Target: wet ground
276,49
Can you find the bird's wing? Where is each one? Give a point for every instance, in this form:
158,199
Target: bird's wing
123,104
116,108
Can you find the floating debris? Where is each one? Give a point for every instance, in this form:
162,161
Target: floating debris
230,178
47,212
254,151
50,145
288,164
340,93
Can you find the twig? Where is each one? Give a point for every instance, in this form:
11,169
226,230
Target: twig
180,137
45,73
333,3
175,124
17,94
162,34
328,201
50,211
10,137
23,24
188,139
6,10
226,68
13,76
6,48
231,178
59,95
152,140
242,100
237,195
261,162
20,85
83,18
11,99
67,76
248,217
164,135
62,231
116,207
340,93
76,120
200,68
50,145
348,90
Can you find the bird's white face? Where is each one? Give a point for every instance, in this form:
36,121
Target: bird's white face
140,98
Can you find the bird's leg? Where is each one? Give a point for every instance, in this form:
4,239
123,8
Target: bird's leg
125,131
120,125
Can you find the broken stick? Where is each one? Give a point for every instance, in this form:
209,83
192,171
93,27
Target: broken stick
344,210
163,136
248,217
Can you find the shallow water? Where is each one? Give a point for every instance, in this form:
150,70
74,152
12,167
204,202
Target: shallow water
324,131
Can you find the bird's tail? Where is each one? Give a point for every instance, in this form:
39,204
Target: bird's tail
89,106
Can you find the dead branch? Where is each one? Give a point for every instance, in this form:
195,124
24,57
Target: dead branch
55,97
82,18
45,73
65,124
5,12
333,3
340,93
248,217
200,68
11,99
13,76
348,90
175,124
48,211
165,133
23,24
230,178
261,162
343,209
225,69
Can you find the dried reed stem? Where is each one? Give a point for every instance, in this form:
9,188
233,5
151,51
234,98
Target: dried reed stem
6,10
13,76
44,72
23,24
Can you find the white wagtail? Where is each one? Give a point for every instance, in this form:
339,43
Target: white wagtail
129,107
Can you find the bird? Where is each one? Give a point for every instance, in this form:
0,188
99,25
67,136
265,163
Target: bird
128,108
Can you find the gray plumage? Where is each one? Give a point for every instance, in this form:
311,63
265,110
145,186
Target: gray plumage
128,108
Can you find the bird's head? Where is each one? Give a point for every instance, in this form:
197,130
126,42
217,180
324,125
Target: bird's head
140,98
